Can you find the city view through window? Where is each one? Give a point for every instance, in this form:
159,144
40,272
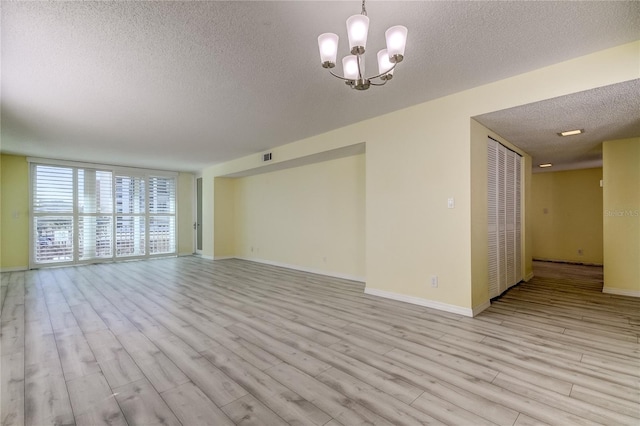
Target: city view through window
82,214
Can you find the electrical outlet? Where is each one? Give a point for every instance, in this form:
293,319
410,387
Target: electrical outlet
580,252
434,281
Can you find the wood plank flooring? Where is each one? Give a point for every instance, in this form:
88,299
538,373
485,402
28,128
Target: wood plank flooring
194,342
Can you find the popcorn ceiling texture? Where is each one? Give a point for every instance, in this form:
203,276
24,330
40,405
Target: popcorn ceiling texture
183,85
605,113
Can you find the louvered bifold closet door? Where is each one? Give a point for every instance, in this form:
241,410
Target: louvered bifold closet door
510,218
492,216
518,219
503,218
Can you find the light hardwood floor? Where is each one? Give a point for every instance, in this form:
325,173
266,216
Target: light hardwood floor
194,342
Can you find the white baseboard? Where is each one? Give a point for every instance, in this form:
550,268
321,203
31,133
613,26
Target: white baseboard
569,262
185,254
305,269
223,257
528,277
481,308
621,291
468,312
14,269
204,256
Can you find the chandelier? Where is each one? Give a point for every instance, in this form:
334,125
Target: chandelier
353,65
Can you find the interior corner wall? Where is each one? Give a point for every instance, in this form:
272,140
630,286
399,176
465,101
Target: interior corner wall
310,217
479,217
185,213
224,210
567,216
14,222
621,203
527,219
208,213
419,157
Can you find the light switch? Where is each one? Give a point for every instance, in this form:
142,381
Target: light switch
450,203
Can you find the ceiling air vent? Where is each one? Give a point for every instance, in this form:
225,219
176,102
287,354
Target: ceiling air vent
266,157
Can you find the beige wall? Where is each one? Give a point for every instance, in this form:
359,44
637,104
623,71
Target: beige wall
567,216
621,170
420,156
311,217
14,228
225,224
185,213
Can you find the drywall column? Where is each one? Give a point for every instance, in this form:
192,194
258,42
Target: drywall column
14,196
185,213
224,212
621,225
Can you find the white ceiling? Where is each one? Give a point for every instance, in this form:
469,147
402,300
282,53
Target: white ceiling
183,85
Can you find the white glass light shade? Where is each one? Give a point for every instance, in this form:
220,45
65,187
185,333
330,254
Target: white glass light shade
328,45
384,64
396,42
350,67
357,30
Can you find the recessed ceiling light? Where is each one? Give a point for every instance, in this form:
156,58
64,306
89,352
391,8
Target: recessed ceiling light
571,132
545,165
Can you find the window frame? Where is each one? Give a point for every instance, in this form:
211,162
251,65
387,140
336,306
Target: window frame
145,174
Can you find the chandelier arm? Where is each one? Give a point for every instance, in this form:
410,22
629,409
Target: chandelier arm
378,84
359,69
386,72
339,76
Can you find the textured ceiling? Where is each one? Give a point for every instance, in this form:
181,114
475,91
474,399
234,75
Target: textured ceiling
183,85
606,113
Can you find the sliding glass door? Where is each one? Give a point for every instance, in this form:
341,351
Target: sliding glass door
83,214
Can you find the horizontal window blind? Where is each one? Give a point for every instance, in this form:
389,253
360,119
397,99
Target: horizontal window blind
53,239
53,190
84,214
95,236
130,236
162,210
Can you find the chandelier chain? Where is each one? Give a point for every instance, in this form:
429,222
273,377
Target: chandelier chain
364,9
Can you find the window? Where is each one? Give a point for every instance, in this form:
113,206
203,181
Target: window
131,215
162,215
53,214
82,214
